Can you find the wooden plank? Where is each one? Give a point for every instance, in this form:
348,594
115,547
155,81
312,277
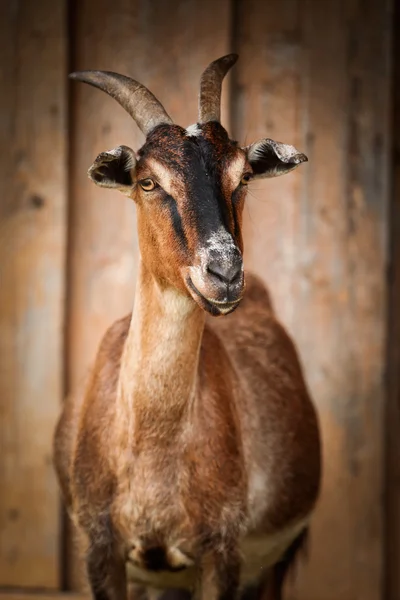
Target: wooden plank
38,595
32,252
165,46
309,74
392,588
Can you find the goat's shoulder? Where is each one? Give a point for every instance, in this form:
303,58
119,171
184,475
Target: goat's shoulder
92,474
273,404
111,346
252,323
101,387
85,410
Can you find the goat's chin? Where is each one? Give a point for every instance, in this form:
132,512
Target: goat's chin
214,307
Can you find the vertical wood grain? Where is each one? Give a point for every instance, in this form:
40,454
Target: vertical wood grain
32,253
392,554
166,46
315,74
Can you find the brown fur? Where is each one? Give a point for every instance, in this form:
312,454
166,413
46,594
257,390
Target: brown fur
192,455
210,460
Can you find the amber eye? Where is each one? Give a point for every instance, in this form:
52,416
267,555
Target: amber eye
147,184
245,179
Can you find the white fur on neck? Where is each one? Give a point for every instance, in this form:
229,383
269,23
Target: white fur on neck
161,352
174,303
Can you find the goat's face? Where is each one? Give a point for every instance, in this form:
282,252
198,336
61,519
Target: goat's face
189,186
189,192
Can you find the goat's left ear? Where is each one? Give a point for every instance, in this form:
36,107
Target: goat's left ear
271,159
114,169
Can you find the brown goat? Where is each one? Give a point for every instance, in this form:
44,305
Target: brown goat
191,460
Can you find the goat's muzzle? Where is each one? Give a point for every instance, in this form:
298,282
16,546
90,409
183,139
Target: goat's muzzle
217,282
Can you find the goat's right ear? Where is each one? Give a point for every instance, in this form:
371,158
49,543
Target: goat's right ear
114,169
271,159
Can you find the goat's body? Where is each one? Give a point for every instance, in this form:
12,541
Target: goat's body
236,461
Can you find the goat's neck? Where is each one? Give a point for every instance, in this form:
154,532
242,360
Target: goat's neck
160,359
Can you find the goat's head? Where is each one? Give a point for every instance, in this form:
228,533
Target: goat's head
189,186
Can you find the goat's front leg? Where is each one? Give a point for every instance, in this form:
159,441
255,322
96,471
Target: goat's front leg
219,576
106,573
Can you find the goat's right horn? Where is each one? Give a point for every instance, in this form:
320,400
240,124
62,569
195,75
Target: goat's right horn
134,97
210,88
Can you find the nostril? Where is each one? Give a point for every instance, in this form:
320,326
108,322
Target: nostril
216,272
225,273
237,273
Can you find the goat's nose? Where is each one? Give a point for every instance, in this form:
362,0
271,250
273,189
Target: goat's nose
226,272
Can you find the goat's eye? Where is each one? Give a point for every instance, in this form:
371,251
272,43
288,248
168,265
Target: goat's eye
245,179
147,184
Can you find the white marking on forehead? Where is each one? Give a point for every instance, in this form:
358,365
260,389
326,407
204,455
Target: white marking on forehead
162,173
193,130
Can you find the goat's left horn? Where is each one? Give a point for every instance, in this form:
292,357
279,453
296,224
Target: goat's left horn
134,97
210,88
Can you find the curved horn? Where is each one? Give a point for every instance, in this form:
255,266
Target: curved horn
210,88
134,97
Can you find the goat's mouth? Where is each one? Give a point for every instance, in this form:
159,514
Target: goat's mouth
215,308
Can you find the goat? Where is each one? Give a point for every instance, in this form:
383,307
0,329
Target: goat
191,458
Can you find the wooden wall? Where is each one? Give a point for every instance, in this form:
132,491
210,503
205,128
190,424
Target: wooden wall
392,488
33,226
315,73
310,73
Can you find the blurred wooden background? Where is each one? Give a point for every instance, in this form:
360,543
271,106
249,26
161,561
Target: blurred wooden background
318,74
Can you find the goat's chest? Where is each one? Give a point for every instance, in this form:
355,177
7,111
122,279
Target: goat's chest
168,504
153,525
148,499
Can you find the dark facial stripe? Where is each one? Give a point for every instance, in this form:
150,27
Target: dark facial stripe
235,199
199,161
176,220
211,208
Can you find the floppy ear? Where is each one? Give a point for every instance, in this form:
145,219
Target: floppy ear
271,159
114,169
